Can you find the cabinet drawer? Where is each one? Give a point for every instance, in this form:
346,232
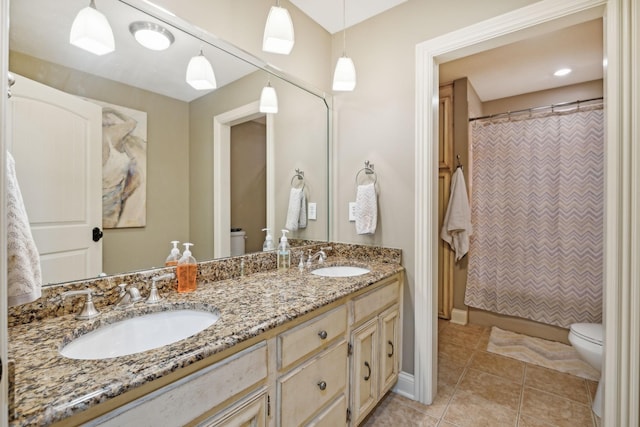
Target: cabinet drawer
311,386
374,301
335,415
180,402
250,411
311,336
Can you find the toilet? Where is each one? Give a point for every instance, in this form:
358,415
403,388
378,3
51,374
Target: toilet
586,338
238,237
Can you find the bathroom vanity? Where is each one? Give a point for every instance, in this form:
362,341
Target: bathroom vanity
290,348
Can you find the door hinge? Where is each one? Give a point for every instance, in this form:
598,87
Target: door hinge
348,415
349,349
268,405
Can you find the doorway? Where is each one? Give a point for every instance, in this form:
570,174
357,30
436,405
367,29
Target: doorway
222,124
537,18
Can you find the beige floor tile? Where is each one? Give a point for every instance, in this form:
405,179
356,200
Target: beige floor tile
550,409
593,387
446,424
393,411
449,371
501,366
456,334
558,383
483,399
454,353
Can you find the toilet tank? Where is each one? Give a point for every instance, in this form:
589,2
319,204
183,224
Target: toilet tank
238,237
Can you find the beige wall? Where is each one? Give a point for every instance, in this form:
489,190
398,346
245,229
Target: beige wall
128,249
249,182
300,130
376,122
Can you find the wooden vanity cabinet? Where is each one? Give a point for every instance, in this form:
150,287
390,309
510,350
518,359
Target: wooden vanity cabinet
376,344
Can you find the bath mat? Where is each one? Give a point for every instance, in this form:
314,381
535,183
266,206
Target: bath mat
537,351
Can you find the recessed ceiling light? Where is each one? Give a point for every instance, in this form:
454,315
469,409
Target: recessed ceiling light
562,72
151,35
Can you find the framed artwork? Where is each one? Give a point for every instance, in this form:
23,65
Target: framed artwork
124,166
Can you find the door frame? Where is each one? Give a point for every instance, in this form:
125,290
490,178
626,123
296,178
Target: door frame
622,183
222,172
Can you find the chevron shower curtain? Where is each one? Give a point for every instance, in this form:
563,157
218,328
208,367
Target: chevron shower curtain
537,213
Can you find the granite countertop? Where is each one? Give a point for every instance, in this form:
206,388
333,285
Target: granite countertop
48,387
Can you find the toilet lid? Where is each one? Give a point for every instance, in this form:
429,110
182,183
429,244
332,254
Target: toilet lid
591,332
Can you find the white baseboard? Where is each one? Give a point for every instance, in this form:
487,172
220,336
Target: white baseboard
405,385
459,317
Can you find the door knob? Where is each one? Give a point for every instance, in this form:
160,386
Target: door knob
97,234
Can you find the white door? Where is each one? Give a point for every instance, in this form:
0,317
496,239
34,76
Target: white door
56,140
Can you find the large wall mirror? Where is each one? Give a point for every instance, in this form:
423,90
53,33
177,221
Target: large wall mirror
207,160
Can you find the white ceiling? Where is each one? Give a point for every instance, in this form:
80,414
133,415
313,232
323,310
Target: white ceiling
329,13
522,67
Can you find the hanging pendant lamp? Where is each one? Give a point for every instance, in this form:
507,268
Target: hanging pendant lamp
278,31
91,31
200,73
268,99
344,76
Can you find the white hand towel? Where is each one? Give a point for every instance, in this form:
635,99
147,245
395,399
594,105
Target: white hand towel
294,211
24,277
366,209
302,221
456,227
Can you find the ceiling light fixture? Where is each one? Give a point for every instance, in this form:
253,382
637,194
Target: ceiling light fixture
344,77
562,72
278,31
151,35
268,99
200,73
91,31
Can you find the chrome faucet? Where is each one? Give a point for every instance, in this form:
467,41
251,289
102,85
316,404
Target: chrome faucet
154,296
321,255
127,297
88,310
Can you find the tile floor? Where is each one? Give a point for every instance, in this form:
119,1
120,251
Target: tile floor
477,388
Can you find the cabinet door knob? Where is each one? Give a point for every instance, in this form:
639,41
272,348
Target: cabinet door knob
322,385
322,335
366,377
392,350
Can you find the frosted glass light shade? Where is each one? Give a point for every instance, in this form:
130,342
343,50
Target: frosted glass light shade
200,73
151,35
278,32
268,100
91,31
344,77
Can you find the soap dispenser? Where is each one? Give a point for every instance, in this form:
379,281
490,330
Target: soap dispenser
174,255
284,252
187,271
268,241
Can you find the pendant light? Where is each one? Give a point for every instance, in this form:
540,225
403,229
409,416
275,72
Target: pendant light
344,77
278,31
91,31
268,99
200,73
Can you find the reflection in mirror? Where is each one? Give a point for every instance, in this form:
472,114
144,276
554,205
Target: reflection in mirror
194,184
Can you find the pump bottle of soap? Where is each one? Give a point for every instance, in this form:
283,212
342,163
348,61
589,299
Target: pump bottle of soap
268,241
284,252
187,271
174,255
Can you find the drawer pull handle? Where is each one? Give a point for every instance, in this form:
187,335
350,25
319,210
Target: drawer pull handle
322,335
392,350
322,385
366,378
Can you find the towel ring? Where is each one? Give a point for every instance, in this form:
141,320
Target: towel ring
300,176
368,170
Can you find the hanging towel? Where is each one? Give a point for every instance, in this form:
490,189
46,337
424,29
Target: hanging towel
297,210
24,278
366,209
456,227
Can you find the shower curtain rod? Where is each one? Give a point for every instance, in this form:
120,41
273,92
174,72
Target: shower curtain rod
531,110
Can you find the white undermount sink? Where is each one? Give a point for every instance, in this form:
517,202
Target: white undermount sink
340,271
137,334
